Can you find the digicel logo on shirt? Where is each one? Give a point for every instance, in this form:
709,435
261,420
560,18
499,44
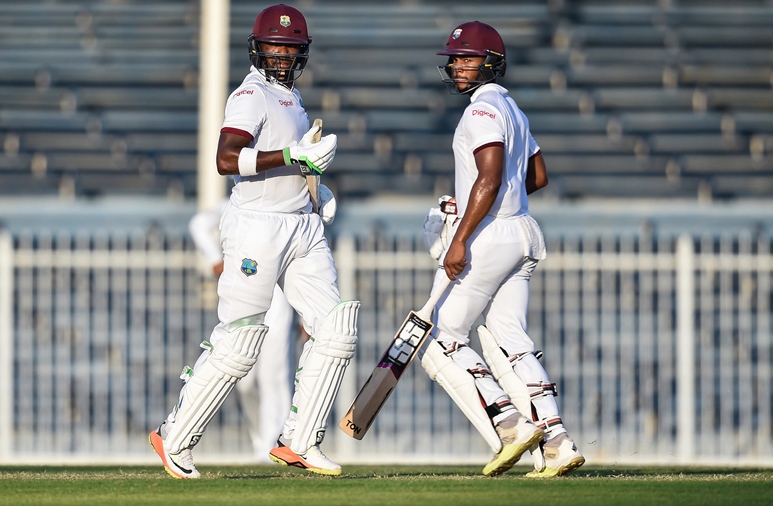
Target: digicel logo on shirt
481,112
286,103
244,92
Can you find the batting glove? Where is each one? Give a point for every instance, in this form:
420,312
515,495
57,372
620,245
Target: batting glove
313,157
438,226
327,205
433,226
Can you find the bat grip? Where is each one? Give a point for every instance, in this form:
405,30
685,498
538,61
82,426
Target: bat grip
313,180
426,311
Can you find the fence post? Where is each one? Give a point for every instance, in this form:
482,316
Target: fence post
6,346
685,348
346,263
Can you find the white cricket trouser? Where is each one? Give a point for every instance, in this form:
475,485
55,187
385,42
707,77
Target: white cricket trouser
288,249
495,283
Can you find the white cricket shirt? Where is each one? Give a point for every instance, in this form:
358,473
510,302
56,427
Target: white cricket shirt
274,118
492,117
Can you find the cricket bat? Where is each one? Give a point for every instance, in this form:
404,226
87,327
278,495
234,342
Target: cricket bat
402,350
312,180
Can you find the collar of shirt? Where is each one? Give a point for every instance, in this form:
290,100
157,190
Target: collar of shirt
493,87
270,82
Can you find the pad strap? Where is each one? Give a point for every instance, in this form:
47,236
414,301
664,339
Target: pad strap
550,424
541,389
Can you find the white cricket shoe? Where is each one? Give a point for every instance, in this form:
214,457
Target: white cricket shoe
179,465
313,460
561,457
516,439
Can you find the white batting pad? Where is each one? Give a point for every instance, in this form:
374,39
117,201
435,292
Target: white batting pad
509,381
213,378
529,375
503,372
460,386
321,373
531,372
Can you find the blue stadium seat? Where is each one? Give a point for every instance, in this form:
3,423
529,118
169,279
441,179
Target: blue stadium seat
623,97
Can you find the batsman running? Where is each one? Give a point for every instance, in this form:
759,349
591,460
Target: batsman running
269,236
493,247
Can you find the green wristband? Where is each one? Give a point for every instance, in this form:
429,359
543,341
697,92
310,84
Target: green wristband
286,154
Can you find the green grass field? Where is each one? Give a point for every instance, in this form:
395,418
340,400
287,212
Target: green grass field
383,485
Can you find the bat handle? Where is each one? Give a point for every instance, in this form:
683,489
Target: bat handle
313,180
426,311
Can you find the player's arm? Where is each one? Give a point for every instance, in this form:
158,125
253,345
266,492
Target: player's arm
236,157
230,156
536,173
490,163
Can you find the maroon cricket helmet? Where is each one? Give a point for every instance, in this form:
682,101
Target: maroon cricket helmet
279,25
473,39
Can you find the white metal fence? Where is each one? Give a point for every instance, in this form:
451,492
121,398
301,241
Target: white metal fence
661,348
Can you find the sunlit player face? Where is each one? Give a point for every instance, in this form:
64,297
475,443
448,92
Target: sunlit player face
279,58
465,71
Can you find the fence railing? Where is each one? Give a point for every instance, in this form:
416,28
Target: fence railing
660,346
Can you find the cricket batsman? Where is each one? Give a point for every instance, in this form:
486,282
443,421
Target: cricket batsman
492,249
270,236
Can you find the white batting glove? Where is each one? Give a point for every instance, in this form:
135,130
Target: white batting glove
448,230
327,205
433,227
314,157
448,207
439,226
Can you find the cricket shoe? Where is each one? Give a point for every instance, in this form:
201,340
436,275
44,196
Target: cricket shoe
313,460
516,439
561,457
179,465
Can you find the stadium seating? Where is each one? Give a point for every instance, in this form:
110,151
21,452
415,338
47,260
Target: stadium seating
627,99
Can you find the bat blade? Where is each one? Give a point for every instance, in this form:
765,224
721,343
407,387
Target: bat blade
312,181
368,403
383,380
404,346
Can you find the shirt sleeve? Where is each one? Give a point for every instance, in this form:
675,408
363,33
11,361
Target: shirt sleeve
483,125
245,111
533,146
